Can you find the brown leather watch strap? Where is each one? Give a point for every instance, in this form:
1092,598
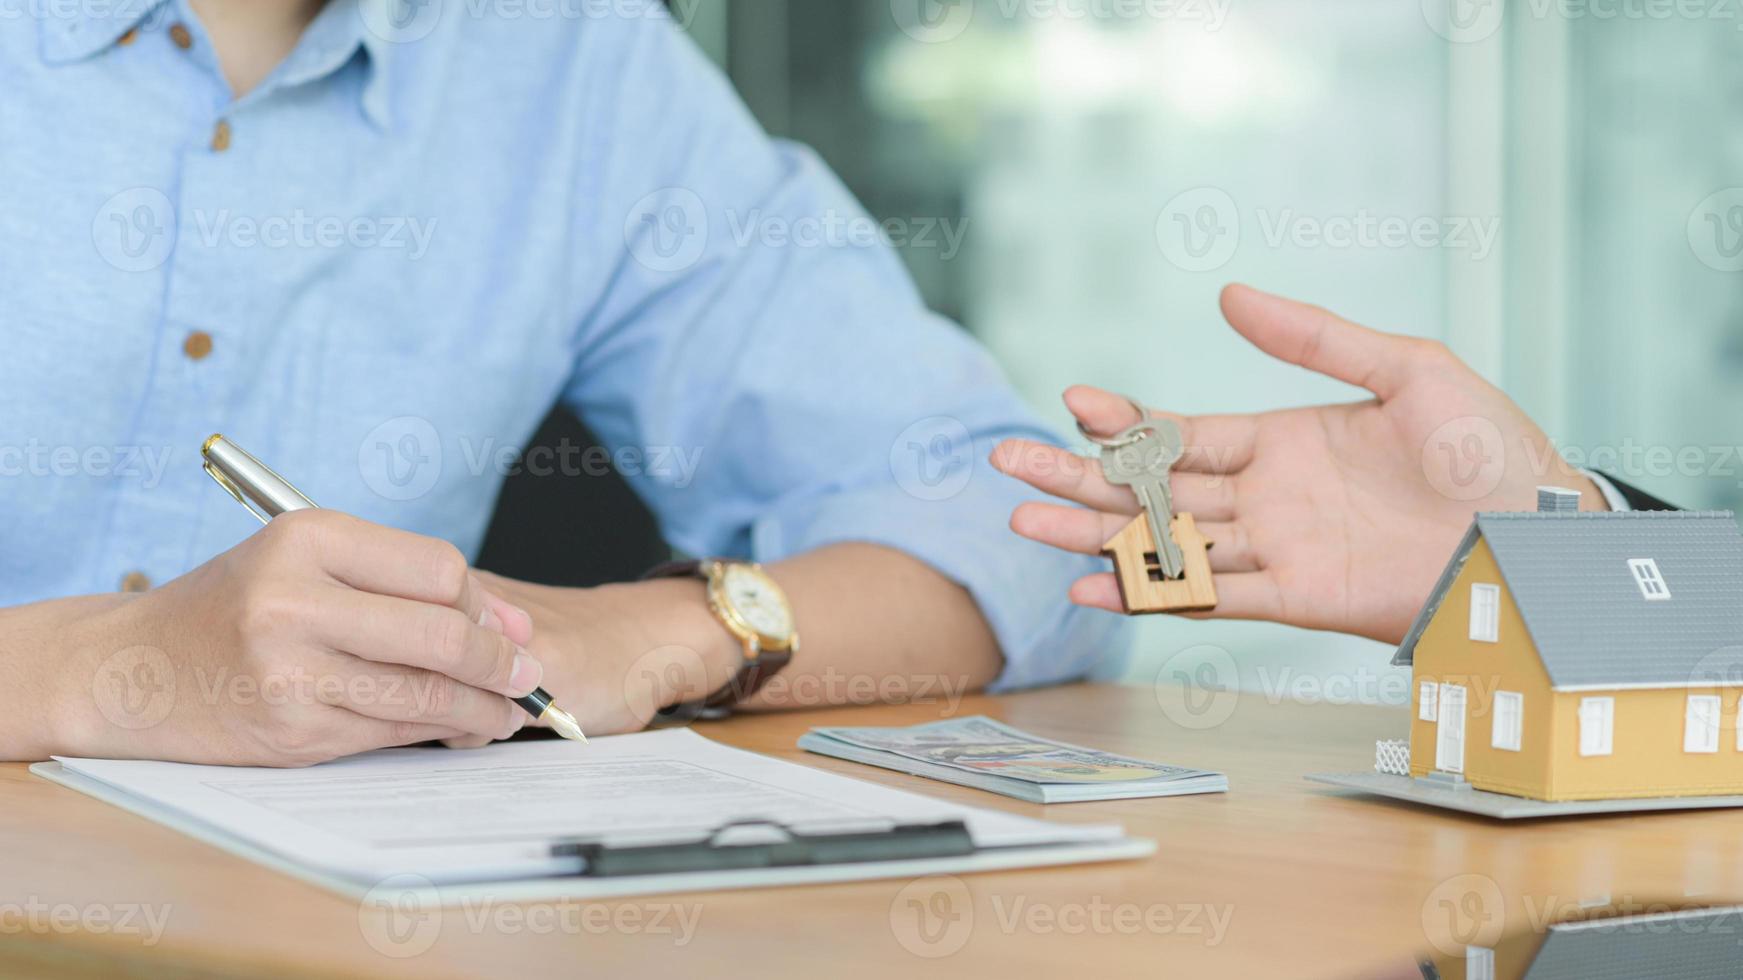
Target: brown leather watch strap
749,679
675,569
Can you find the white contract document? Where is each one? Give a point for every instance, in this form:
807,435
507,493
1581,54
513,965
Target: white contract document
456,825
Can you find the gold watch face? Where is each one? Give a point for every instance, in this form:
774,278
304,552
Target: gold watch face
751,597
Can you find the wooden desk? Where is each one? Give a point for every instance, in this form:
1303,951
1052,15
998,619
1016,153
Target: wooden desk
1308,881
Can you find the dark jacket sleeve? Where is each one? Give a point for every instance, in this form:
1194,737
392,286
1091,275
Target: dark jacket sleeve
1637,498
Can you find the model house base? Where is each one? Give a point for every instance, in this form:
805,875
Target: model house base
1428,791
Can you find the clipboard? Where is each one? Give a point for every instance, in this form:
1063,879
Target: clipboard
736,854
747,844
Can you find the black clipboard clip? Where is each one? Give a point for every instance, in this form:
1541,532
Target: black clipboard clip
769,845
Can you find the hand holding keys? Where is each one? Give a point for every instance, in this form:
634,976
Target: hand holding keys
1160,558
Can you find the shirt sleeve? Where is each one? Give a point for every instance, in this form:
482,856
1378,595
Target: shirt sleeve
757,351
1612,497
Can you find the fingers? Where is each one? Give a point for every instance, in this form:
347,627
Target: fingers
349,733
1086,531
1065,474
385,561
1062,473
1068,528
1240,595
403,694
1246,595
391,630
1100,591
1319,340
1213,443
516,623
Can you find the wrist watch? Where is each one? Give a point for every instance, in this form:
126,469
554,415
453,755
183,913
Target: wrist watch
753,609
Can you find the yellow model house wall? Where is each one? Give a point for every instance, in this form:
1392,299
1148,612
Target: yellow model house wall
1647,757
1647,748
1446,654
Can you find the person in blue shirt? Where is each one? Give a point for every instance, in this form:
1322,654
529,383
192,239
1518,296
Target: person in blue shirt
374,242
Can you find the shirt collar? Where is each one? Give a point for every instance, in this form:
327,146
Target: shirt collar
334,38
75,31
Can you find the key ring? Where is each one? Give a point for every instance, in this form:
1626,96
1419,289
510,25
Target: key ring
1115,442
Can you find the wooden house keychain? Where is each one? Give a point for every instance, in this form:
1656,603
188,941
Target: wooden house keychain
1160,558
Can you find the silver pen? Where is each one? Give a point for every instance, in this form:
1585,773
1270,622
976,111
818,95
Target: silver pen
267,495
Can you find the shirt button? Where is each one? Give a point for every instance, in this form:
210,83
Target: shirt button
198,345
182,37
136,582
221,136
128,38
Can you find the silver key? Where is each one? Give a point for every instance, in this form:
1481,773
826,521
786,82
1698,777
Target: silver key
1142,458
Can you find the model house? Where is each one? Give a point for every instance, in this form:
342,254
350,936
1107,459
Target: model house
1580,656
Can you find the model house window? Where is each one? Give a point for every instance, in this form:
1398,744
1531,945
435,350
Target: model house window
1427,700
1479,963
1486,613
1649,578
1509,727
1700,730
1597,725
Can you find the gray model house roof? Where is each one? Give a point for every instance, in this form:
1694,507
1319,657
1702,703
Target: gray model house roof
1592,624
1698,945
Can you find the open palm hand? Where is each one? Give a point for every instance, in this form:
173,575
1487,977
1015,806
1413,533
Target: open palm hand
1337,517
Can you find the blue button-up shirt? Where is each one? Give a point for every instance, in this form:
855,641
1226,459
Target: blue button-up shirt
382,267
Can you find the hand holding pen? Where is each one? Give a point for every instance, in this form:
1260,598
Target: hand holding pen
318,637
268,495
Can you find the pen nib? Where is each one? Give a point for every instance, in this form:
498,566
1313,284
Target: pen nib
564,723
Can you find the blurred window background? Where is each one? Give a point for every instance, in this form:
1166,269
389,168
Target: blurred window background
1546,185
